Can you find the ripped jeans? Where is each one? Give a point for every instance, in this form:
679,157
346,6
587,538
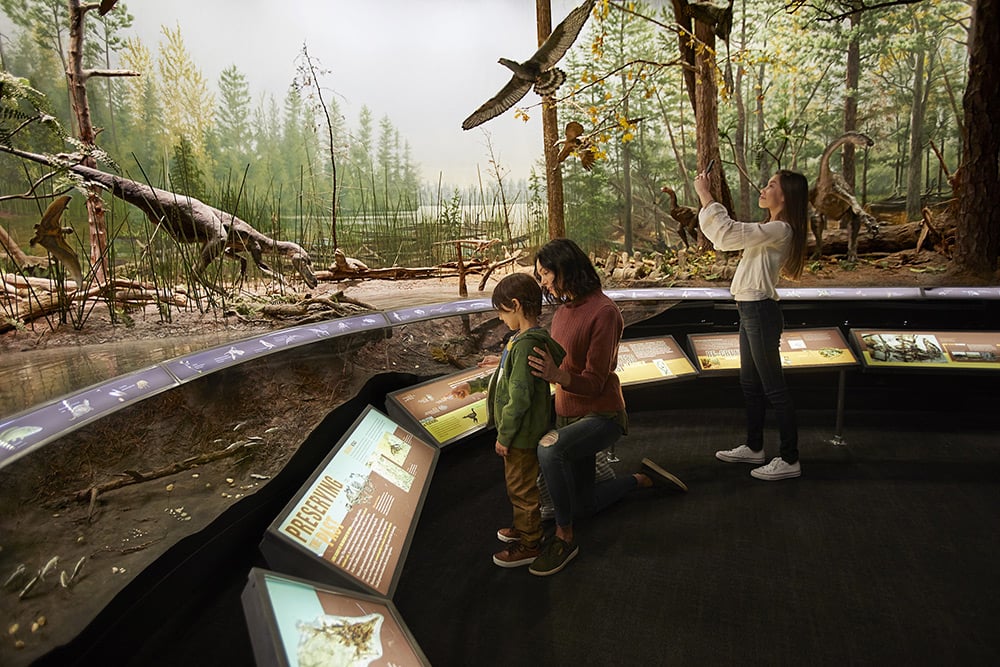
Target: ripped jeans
568,468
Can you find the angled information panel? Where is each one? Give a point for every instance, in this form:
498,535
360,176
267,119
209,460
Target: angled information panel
643,360
800,349
929,350
298,623
352,522
434,412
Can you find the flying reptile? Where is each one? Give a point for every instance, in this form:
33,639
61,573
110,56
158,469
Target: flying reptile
538,71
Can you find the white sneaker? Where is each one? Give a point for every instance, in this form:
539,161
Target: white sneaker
741,454
777,469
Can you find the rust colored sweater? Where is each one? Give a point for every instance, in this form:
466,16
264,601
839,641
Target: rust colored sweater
589,329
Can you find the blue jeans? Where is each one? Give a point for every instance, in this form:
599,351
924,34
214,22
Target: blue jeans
762,378
568,467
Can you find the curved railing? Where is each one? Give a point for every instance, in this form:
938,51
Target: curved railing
30,429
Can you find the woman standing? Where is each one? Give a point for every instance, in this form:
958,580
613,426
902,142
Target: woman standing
590,409
768,249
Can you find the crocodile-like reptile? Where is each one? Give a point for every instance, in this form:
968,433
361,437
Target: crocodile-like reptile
190,220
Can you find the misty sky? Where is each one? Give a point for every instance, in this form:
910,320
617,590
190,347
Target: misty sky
426,63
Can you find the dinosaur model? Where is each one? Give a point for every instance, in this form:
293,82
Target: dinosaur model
686,217
51,235
576,143
539,70
831,198
189,220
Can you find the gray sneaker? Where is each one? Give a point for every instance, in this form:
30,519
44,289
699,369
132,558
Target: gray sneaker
777,469
741,454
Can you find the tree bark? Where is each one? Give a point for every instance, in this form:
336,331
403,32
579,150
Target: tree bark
77,82
978,181
851,100
550,135
918,111
627,182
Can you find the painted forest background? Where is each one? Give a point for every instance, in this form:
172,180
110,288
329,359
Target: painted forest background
791,78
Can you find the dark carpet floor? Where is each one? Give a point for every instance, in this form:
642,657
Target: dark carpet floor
883,552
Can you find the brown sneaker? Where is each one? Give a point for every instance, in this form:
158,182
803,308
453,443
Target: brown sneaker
516,555
509,535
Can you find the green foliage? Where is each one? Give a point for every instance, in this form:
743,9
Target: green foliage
186,176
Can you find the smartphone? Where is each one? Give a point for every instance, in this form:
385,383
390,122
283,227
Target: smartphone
708,169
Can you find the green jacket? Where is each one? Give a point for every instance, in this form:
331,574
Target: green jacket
520,404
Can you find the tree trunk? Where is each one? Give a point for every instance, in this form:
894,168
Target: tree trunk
740,141
707,112
77,82
913,173
851,99
627,181
978,180
550,135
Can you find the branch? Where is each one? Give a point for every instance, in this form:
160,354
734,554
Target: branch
87,73
826,15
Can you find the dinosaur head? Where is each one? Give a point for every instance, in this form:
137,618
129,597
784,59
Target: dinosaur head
303,264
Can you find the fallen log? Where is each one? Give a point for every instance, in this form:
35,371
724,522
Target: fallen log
890,238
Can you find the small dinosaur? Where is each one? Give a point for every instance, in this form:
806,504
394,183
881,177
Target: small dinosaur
51,236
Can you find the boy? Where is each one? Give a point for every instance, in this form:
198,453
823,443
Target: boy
521,409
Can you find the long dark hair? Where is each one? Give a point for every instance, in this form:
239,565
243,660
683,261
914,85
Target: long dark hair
575,275
795,188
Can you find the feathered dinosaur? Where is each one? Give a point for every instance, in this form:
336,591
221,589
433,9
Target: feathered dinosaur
575,142
686,217
189,220
831,197
539,70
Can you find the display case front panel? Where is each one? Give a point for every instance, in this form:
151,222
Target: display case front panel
352,522
298,623
644,360
929,350
435,413
799,348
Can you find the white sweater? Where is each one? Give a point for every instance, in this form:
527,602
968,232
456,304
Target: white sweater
764,245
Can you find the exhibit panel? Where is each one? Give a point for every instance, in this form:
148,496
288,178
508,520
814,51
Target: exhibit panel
645,360
433,411
298,623
928,350
352,522
26,431
197,364
814,349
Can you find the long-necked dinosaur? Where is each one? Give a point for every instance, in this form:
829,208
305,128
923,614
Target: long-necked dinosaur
190,220
832,198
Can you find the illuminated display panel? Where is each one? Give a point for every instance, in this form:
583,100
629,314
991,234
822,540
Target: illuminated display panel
352,522
294,622
655,359
432,410
800,349
931,350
